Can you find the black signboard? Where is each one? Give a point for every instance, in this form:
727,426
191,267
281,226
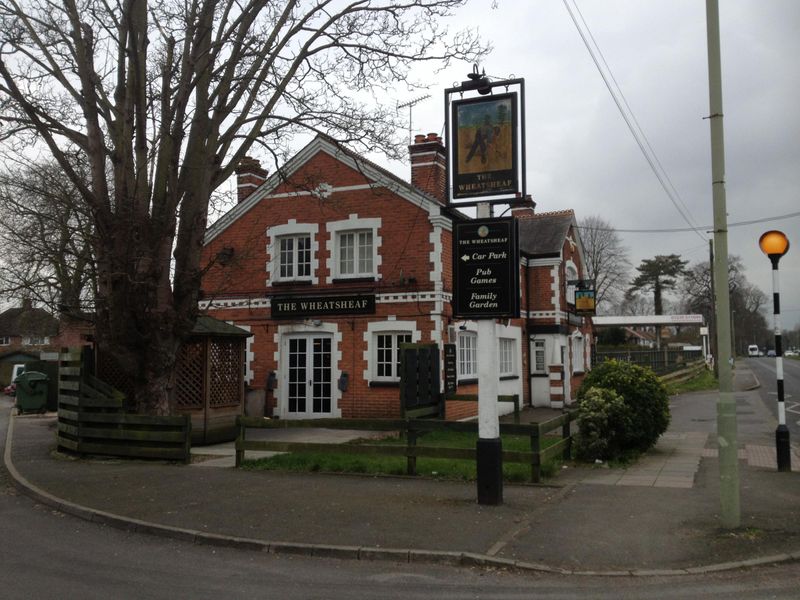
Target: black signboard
486,269
287,307
450,369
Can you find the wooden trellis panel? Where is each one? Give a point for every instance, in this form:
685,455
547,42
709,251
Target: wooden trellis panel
189,376
225,372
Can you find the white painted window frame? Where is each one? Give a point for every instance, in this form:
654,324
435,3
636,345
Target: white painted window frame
507,356
295,230
467,355
538,348
392,327
354,225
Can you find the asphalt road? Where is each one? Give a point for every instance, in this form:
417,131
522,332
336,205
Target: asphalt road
765,369
47,554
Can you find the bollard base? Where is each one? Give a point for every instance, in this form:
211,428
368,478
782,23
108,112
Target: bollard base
489,455
783,448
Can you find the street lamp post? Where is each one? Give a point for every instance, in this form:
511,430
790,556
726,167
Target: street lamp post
775,244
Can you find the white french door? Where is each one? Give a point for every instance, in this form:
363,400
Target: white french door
308,375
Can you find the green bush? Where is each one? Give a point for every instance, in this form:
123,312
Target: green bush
604,421
644,395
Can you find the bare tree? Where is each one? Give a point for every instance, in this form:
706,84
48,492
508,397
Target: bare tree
163,99
606,259
46,237
747,301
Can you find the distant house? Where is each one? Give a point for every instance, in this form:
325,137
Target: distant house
640,337
24,332
27,328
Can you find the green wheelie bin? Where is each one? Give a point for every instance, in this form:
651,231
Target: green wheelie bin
31,392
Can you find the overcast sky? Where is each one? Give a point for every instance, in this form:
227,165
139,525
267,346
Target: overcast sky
581,154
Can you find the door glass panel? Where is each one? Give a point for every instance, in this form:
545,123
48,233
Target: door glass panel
321,387
298,390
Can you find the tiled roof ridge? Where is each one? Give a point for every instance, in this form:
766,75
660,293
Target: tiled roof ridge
567,212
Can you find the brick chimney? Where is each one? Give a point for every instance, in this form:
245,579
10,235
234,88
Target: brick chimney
522,212
428,165
249,177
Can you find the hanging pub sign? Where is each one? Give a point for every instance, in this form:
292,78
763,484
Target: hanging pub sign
486,269
484,142
585,302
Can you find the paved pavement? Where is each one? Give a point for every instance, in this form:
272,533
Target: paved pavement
659,516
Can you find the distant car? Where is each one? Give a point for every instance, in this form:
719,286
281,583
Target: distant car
770,352
752,350
790,353
10,390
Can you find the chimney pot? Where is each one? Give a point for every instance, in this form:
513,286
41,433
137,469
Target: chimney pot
419,138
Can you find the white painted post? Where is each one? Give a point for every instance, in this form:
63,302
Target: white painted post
489,448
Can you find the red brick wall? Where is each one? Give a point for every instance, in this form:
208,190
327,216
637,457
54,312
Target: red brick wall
405,266
405,231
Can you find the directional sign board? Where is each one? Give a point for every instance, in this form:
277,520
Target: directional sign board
486,269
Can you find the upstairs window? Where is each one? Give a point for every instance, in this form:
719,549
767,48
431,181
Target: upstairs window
538,356
572,277
355,254
5,340
293,250
294,257
354,248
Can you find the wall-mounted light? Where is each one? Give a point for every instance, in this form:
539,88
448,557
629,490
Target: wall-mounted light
225,256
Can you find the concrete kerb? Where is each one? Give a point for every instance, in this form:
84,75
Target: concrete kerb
343,552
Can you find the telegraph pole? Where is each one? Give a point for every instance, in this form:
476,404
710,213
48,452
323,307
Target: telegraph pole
726,404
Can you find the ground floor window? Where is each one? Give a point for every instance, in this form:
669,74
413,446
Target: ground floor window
387,354
507,356
467,355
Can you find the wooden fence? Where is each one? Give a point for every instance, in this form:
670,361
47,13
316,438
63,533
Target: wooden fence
690,371
411,429
92,420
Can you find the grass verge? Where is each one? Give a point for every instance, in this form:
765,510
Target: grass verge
464,470
704,381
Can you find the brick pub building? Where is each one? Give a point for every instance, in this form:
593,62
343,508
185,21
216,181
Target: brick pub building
333,262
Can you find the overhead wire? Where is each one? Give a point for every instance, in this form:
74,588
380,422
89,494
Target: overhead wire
687,229
630,119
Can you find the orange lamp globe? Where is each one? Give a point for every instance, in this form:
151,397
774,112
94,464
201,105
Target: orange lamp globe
774,243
